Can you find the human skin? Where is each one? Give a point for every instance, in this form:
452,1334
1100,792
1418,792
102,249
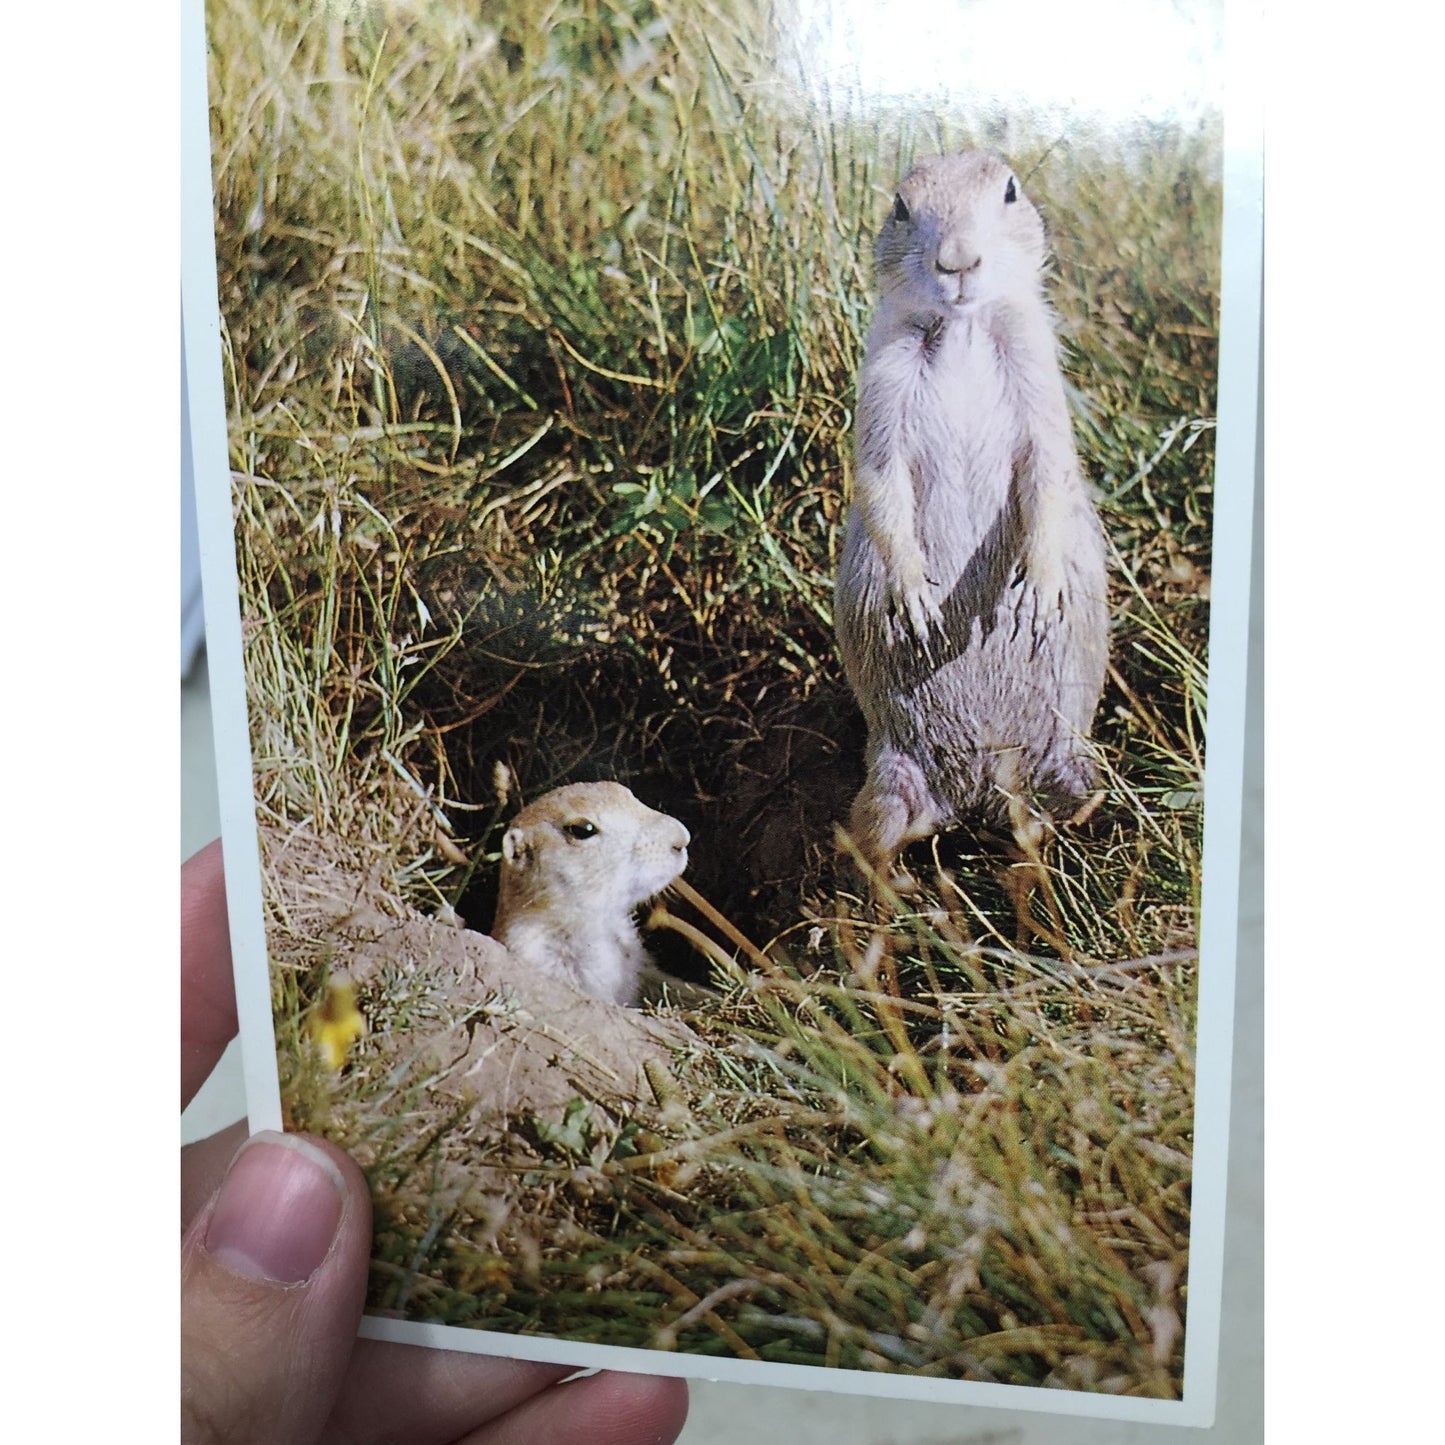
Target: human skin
275,1242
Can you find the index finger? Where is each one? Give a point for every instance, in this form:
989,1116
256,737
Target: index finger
208,994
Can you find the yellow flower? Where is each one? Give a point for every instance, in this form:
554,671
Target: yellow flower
337,1023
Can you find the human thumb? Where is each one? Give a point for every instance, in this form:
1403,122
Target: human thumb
273,1278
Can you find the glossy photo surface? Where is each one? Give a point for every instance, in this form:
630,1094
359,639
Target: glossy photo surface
740,520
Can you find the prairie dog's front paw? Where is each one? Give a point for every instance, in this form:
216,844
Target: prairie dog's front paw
913,605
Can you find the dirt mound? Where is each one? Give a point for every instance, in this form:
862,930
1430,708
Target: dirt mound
456,1029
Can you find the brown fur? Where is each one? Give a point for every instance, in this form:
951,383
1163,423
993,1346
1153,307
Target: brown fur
567,893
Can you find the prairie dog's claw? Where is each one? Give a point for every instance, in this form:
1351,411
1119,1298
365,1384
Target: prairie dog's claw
924,612
916,613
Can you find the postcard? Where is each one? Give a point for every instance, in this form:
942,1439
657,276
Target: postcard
726,530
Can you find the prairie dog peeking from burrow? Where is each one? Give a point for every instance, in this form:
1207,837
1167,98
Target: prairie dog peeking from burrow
575,863
971,599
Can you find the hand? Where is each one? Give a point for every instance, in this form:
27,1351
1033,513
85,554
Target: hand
276,1239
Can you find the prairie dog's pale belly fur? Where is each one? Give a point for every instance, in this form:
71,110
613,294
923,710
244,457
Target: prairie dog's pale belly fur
957,434
970,509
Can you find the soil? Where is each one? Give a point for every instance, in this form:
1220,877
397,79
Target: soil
452,1013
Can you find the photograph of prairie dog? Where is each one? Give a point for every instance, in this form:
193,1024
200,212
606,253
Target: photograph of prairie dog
627,397
970,603
575,863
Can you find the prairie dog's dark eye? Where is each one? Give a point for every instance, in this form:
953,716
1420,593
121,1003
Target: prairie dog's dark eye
900,211
583,829
1011,194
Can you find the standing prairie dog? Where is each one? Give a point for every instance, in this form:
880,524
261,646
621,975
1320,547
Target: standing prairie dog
971,602
574,865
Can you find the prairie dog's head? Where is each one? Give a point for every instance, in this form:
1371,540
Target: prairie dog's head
590,847
961,233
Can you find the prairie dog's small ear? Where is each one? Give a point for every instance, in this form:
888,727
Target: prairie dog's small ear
514,848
